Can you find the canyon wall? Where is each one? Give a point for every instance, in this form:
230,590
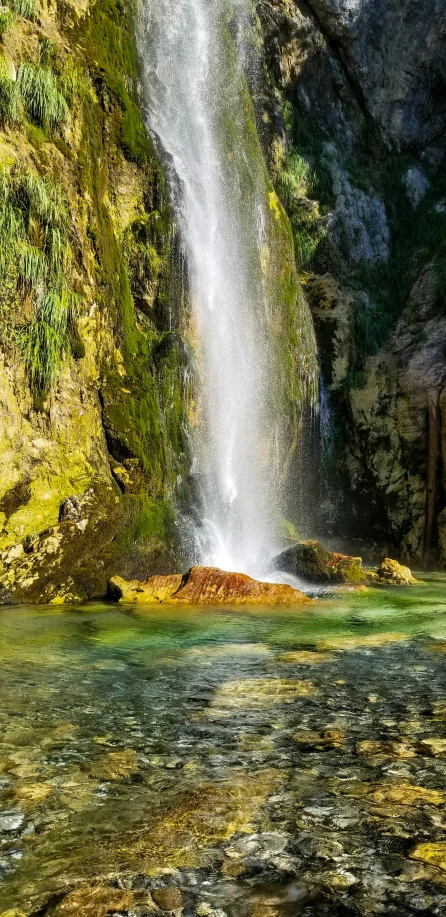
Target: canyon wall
356,134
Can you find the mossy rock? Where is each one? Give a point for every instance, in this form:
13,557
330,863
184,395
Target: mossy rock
391,573
313,562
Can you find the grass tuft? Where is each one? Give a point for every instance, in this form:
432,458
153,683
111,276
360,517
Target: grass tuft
35,261
44,102
10,100
31,266
6,20
26,8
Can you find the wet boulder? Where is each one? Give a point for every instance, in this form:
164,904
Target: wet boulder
151,591
312,561
204,586
391,573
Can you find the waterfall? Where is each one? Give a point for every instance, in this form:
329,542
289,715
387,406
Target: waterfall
248,320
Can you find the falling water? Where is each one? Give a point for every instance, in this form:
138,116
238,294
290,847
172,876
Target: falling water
200,111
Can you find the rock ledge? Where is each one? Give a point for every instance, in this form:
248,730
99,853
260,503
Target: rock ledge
203,586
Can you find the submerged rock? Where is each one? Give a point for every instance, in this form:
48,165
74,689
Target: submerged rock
204,586
93,901
434,854
316,564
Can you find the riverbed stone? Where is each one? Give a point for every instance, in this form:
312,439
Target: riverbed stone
116,765
11,821
169,898
90,901
304,657
407,795
436,747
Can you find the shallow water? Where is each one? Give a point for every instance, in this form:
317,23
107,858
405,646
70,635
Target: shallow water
253,762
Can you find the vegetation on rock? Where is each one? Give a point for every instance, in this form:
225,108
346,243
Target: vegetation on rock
90,330
35,262
311,561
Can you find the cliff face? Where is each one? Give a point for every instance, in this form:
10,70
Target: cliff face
359,161
94,368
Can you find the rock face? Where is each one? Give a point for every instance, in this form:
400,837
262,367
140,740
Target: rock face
204,586
395,56
311,561
362,147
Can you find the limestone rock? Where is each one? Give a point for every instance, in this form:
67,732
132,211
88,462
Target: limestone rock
169,899
391,573
311,561
204,586
416,186
394,53
153,590
359,222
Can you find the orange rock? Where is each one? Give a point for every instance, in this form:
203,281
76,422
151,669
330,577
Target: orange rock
204,586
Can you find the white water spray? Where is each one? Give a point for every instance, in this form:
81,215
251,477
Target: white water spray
199,108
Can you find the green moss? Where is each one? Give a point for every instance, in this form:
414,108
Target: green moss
154,519
108,38
305,188
133,137
143,403
36,136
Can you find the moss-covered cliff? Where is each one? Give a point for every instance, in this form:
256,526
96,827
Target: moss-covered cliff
94,369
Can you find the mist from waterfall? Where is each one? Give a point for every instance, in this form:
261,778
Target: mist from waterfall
199,111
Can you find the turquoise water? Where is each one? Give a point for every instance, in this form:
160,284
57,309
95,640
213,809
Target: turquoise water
247,761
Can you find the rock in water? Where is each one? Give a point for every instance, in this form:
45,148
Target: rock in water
311,561
391,573
204,586
155,589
